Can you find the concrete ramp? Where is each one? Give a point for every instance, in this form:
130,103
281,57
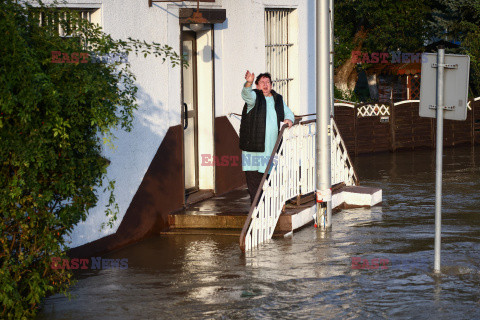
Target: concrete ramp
342,198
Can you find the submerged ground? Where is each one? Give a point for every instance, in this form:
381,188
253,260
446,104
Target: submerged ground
310,275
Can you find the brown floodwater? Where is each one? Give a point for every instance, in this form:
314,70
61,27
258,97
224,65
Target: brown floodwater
310,275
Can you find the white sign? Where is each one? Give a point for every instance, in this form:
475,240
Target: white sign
456,73
324,195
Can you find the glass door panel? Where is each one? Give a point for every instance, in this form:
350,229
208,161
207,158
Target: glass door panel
189,112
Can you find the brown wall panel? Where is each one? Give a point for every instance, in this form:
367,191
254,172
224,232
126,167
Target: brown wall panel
345,120
231,176
403,126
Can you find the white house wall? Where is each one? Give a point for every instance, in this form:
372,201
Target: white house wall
136,149
239,44
242,47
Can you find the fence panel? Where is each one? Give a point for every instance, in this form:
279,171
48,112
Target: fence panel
364,131
476,120
345,119
372,135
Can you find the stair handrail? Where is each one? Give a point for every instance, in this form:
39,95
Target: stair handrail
348,161
260,188
266,208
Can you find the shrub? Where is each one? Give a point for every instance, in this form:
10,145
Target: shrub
53,117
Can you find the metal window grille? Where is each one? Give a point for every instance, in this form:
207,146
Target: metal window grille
61,20
276,49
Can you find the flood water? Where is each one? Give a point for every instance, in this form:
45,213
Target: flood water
310,275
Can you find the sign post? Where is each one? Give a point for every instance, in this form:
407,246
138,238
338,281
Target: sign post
439,160
452,105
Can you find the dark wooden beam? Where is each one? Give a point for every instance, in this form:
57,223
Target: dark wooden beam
150,2
212,15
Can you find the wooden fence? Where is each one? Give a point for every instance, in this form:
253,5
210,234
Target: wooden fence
368,128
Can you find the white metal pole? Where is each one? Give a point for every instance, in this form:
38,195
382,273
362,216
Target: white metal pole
323,167
439,149
332,47
332,97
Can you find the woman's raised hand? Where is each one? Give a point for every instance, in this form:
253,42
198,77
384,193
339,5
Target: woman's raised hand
250,77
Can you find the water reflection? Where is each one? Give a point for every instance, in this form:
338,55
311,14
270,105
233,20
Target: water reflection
310,275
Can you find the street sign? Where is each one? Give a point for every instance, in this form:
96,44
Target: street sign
456,70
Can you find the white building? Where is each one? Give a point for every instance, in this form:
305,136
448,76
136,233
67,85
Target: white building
160,162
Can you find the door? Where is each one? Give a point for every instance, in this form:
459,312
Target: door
190,112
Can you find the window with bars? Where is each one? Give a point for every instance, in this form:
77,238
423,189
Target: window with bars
62,20
279,43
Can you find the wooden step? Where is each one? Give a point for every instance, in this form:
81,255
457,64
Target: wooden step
227,214
217,232
193,221
191,231
225,221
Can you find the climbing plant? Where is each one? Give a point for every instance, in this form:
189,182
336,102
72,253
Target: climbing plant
57,103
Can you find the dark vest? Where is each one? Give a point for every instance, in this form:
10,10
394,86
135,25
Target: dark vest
254,123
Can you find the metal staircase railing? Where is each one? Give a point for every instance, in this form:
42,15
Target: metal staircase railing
292,173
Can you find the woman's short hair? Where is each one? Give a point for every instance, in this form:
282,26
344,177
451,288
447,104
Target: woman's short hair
263,75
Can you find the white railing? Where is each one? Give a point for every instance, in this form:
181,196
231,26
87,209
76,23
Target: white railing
292,173
342,166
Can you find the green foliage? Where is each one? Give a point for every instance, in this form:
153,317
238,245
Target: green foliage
459,20
407,26
346,95
389,25
471,44
52,119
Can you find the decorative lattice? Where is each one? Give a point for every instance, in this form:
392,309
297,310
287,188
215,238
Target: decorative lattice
414,93
370,110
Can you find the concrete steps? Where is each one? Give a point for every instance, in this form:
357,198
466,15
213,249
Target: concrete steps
186,223
227,214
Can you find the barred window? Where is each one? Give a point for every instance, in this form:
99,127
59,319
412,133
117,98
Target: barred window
278,51
61,19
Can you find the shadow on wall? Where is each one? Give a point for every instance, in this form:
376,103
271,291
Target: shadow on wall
130,160
222,26
207,52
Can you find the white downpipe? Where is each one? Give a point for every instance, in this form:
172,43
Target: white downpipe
324,209
332,84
